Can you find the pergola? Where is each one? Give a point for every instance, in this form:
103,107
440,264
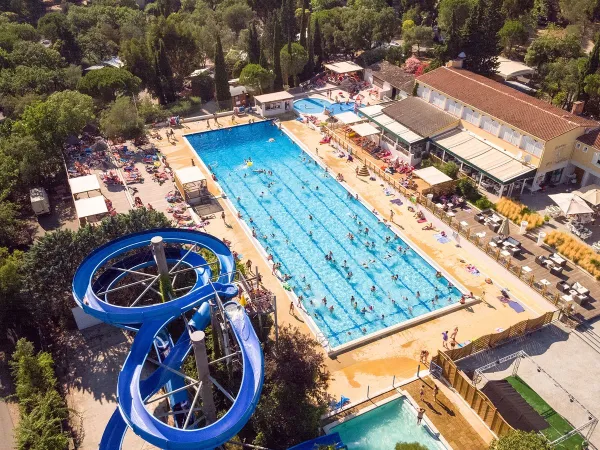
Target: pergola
191,182
91,207
83,185
365,129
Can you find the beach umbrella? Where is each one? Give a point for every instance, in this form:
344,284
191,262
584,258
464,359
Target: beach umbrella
363,171
571,204
504,229
590,194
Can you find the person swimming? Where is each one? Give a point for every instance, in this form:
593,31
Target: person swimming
271,140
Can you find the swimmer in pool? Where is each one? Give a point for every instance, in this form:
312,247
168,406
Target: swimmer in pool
271,140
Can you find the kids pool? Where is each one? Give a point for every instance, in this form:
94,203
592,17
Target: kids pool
299,214
313,105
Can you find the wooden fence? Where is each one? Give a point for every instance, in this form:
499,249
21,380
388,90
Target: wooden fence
476,399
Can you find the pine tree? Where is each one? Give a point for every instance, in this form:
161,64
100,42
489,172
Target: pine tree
453,39
221,79
590,68
317,45
277,44
253,45
303,24
480,37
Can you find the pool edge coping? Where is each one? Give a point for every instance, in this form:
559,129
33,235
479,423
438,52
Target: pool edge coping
376,404
333,352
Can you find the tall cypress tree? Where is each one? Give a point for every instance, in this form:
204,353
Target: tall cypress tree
590,67
277,44
164,73
480,37
317,45
253,45
221,79
303,24
288,22
309,69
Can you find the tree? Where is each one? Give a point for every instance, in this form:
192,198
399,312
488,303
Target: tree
108,83
253,45
318,47
461,10
10,288
480,37
561,81
514,9
63,114
590,67
304,18
293,64
163,74
237,16
512,33
221,80
521,440
309,69
410,446
555,43
55,27
121,120
277,43
294,392
257,77
577,12
51,262
418,35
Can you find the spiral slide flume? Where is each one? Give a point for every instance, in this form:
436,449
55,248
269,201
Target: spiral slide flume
132,390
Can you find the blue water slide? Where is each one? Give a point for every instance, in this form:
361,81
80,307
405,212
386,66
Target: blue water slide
102,270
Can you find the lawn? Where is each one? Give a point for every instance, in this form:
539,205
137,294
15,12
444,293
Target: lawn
558,425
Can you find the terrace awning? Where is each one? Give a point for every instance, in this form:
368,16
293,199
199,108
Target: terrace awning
499,165
188,175
365,129
84,184
348,117
343,67
432,176
375,114
92,206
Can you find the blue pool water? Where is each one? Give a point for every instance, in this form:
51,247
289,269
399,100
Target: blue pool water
281,215
317,106
383,427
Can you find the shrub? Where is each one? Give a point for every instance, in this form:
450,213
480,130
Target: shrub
517,212
184,106
450,169
521,440
468,189
410,446
484,203
575,250
412,64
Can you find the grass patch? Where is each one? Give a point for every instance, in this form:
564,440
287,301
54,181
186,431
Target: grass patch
558,425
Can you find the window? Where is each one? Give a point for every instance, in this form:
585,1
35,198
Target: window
490,125
578,145
438,100
532,146
510,135
596,159
585,149
454,108
471,116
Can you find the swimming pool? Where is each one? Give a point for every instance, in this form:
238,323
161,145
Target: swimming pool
300,213
314,105
384,426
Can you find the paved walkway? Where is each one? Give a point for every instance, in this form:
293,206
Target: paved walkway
446,417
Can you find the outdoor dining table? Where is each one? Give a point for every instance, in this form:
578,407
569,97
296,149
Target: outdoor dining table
545,282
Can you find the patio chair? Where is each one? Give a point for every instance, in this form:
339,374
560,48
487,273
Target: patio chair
563,286
556,270
498,240
541,260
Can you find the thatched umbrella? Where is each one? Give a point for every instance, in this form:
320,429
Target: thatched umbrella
363,171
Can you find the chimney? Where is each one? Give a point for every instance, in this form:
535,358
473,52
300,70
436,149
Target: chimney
577,108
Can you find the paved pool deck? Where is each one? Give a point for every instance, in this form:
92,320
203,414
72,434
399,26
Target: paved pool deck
374,365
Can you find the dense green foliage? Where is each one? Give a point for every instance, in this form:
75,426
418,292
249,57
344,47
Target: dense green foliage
521,440
121,120
43,410
410,446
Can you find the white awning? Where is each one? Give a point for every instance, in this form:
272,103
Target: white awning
432,176
343,67
508,68
499,165
590,194
92,206
372,110
274,97
365,129
191,174
84,184
570,204
375,114
348,117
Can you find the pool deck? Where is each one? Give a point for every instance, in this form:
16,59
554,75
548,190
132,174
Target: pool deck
373,365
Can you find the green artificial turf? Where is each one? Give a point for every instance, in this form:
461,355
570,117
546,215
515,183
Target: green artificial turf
558,425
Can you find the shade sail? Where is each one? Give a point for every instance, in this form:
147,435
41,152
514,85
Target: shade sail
348,117
432,176
92,206
365,129
84,184
343,67
590,194
191,174
571,204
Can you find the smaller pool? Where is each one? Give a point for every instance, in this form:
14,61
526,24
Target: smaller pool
313,105
384,426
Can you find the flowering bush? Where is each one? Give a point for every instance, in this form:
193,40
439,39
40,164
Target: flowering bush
412,64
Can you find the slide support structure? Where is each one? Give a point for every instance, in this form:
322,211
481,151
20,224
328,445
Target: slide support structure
198,339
